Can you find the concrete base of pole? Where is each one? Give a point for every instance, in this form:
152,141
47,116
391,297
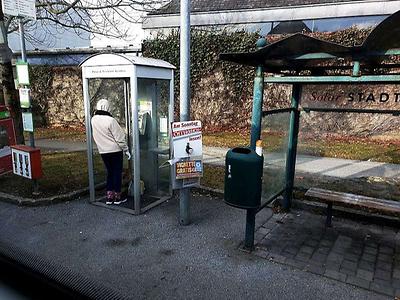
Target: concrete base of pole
184,206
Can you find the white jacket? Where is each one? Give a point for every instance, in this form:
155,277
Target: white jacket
108,135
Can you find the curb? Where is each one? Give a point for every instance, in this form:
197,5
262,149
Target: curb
203,188
21,201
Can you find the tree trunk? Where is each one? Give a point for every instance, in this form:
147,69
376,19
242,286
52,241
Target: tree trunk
9,93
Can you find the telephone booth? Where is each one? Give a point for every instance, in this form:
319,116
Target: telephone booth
7,139
140,91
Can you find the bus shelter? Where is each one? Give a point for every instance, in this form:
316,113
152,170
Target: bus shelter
140,91
301,60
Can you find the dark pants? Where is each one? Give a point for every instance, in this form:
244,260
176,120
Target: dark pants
113,162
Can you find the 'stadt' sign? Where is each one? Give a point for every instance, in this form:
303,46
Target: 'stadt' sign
373,96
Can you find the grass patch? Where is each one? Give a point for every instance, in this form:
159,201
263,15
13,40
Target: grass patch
59,133
63,173
358,150
225,139
213,177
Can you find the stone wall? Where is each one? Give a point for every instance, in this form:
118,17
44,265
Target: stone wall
59,101
214,103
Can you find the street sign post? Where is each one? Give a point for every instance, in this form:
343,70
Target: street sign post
24,98
23,9
19,8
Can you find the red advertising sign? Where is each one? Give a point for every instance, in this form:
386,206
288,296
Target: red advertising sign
7,139
26,161
189,169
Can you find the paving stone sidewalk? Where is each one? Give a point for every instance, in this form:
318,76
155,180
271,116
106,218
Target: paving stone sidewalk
364,255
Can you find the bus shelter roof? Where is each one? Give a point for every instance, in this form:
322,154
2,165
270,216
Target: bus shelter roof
300,51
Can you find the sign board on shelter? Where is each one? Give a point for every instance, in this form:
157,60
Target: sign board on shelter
357,96
19,8
108,71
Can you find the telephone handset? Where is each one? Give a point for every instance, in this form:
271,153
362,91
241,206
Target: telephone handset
144,119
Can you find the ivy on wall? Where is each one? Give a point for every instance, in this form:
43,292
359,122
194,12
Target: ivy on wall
204,51
41,78
206,46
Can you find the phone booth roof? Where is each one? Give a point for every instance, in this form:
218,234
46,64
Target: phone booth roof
112,65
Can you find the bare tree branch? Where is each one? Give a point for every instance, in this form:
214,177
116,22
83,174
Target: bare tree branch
99,17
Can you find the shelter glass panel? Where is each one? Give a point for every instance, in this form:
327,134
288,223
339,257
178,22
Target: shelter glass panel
275,128
113,91
356,153
153,104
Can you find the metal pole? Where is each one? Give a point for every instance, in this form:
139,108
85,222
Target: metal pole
23,57
356,69
89,141
171,119
135,143
292,146
250,228
22,39
184,203
258,95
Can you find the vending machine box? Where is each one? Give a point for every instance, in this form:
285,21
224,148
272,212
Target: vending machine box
26,161
7,139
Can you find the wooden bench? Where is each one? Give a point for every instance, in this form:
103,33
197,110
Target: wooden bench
352,200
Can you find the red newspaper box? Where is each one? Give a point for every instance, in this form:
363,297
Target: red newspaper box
7,139
26,161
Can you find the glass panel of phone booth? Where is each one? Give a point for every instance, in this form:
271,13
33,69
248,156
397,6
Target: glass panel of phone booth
153,103
114,90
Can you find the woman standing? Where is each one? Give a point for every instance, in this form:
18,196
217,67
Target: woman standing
111,143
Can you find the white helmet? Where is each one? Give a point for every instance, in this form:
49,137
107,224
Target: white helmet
103,104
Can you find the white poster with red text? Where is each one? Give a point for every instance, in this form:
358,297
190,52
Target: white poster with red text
187,149
187,139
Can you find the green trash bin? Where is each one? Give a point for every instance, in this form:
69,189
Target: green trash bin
243,178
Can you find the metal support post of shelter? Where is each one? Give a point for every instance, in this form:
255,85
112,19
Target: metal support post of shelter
292,146
258,96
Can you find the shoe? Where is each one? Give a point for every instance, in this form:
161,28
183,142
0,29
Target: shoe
120,201
110,197
117,198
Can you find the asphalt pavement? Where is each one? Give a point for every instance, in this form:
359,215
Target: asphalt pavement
152,257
